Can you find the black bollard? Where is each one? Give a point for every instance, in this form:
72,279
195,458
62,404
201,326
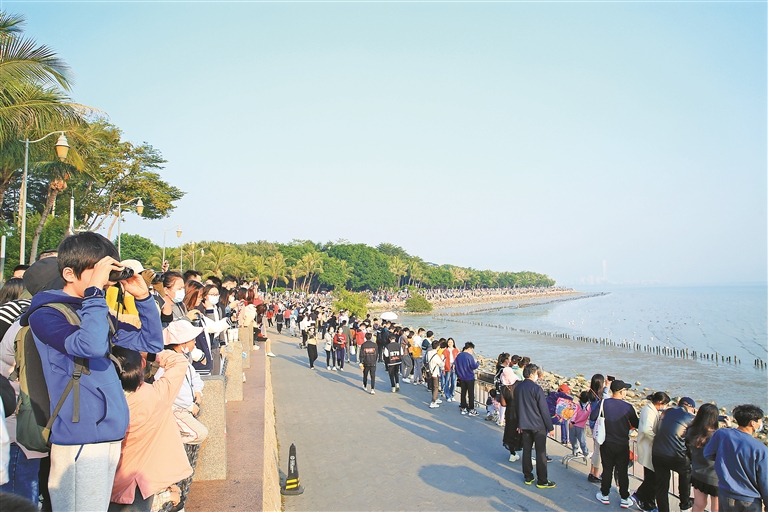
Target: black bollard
292,485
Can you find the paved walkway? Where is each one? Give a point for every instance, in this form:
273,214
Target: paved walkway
389,451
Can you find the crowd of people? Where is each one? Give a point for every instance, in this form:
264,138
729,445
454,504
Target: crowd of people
101,364
726,467
122,350
394,298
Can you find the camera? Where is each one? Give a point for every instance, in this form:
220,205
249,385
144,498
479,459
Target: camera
722,419
121,275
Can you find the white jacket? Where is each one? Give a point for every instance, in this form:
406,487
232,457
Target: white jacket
646,431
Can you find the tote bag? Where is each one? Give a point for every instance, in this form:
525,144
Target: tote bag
599,432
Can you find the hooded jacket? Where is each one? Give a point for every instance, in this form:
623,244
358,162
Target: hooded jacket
103,409
465,366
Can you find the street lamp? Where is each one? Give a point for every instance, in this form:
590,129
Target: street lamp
178,235
139,210
62,148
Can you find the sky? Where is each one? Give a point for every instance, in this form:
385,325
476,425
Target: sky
507,136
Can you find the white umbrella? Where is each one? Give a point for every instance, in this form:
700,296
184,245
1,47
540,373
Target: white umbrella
388,316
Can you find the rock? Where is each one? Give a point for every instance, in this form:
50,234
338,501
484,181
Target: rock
646,389
637,383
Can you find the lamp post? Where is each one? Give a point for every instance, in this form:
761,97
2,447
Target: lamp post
139,210
178,235
62,147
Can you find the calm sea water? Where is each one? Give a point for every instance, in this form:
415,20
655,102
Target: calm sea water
730,320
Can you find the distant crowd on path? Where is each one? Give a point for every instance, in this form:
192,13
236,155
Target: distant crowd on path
727,467
393,298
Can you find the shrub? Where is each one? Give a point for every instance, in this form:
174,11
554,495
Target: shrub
417,304
355,303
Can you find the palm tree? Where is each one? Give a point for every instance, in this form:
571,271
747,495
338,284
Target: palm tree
459,275
417,272
217,257
309,265
276,268
399,267
32,99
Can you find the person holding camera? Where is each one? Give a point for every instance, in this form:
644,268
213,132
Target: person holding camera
86,435
670,453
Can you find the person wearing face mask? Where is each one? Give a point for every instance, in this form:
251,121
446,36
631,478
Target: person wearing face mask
173,293
214,323
741,462
534,421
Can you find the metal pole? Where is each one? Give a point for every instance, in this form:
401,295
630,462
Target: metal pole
193,255
163,260
119,221
72,214
23,201
181,258
2,259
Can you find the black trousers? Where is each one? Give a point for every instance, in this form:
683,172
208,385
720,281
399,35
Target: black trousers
647,490
468,388
663,466
279,327
369,370
536,438
394,375
615,456
312,354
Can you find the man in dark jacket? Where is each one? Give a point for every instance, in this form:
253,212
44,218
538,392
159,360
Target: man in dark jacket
368,354
393,357
534,422
620,417
670,453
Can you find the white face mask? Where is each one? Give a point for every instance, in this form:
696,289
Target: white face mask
197,355
213,299
179,296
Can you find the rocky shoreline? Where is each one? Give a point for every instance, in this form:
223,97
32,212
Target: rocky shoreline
399,306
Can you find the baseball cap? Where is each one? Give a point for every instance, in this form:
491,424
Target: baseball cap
618,385
565,388
686,401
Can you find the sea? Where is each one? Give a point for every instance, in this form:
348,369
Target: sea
731,321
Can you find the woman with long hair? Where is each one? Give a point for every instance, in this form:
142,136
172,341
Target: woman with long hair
449,354
11,290
703,477
596,385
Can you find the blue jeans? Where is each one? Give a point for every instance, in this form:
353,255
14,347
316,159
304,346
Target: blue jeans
340,357
22,474
579,439
449,386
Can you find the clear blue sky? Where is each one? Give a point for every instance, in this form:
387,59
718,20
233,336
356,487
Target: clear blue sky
510,136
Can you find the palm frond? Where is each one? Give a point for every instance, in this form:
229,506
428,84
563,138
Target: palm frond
22,59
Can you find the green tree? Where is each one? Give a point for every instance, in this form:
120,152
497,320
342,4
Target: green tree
276,268
136,247
370,268
309,265
392,250
336,272
355,303
398,267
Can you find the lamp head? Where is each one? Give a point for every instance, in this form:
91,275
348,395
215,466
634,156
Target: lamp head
140,206
178,232
62,147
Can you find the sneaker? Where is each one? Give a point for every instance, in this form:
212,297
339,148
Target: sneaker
397,386
365,388
592,478
514,457
639,504
270,354
341,369
415,383
489,418
625,503
373,392
329,368
549,459
605,500
530,482
549,484
533,460
433,405
393,390
438,401
463,412
687,505
473,413
406,380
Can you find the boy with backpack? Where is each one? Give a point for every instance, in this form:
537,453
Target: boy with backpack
73,333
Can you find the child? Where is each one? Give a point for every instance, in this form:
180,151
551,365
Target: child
153,456
492,406
578,425
86,440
